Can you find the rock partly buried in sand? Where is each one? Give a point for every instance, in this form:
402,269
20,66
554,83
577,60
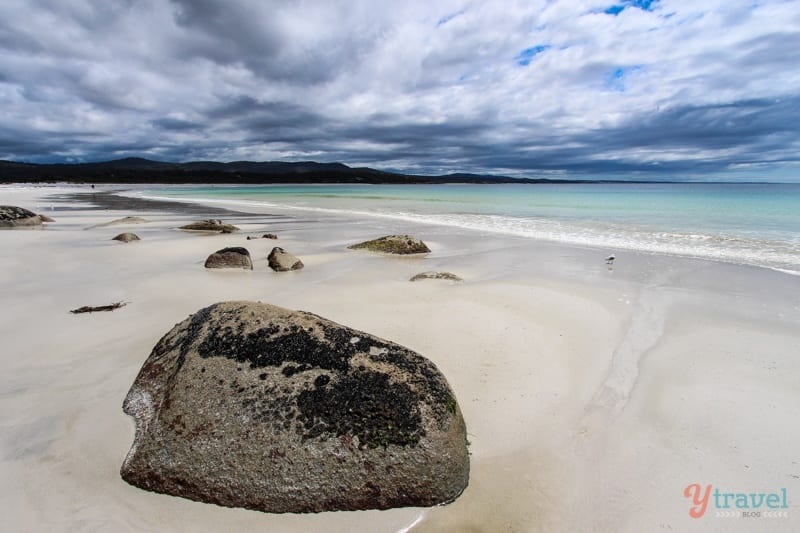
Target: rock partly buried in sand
233,257
281,261
265,236
394,244
436,275
250,405
46,218
212,224
120,221
15,217
126,237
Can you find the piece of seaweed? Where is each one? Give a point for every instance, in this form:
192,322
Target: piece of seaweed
91,309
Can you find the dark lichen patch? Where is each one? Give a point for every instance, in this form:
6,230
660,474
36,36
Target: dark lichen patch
270,346
422,374
365,404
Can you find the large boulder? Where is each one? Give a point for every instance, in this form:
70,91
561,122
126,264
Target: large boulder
233,257
435,275
14,217
394,244
213,224
281,261
126,237
250,405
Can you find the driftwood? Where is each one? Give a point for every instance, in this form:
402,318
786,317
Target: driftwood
90,309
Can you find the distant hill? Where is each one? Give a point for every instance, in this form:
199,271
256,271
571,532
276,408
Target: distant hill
137,170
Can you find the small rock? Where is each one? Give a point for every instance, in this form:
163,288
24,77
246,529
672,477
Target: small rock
126,237
265,236
14,217
233,257
212,224
436,275
251,405
280,260
394,244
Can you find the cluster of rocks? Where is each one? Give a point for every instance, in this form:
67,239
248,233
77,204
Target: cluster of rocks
278,259
246,404
281,260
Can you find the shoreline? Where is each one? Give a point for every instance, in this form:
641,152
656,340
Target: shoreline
592,396
254,207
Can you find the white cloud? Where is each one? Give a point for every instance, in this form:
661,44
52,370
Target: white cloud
417,84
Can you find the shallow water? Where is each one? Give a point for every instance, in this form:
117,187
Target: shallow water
754,224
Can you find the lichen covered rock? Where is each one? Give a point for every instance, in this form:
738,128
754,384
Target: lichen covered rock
394,244
250,405
212,224
233,257
13,217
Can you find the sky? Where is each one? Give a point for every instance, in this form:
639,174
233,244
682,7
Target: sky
521,88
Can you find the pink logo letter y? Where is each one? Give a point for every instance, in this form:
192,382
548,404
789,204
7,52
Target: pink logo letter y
700,502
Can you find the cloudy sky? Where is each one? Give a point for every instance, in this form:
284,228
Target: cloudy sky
535,87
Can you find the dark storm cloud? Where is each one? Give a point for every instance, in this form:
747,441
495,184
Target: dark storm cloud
510,88
226,32
175,124
249,113
749,125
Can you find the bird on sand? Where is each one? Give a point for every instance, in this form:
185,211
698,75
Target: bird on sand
610,259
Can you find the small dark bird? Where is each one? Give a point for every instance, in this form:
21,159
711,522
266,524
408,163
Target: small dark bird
610,259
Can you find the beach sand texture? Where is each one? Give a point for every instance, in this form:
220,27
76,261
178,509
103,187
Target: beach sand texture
592,395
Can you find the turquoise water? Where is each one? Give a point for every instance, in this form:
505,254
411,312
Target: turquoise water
756,224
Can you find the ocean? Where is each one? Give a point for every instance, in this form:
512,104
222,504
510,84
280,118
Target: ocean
751,224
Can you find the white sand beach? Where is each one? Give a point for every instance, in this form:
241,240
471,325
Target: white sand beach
593,394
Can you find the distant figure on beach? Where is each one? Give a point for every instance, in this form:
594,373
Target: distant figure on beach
610,259
92,185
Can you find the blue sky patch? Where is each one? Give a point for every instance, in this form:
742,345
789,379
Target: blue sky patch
617,77
525,57
616,9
